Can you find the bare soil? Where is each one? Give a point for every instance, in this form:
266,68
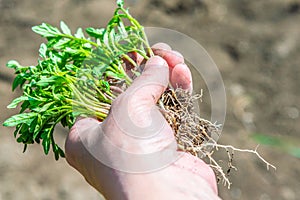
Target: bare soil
256,46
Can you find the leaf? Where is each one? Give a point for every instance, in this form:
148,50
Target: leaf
25,118
61,152
52,41
25,147
46,139
34,124
24,106
22,128
73,51
18,127
46,30
58,152
105,85
13,64
79,33
62,43
96,33
46,145
45,81
65,29
43,50
16,101
19,80
46,106
120,3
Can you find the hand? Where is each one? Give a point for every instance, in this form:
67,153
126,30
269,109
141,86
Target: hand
112,155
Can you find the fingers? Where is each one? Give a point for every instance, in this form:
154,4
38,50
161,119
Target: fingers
161,45
180,75
172,57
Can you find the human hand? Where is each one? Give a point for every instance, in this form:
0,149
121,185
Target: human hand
113,156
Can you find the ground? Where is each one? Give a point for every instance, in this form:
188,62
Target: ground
255,44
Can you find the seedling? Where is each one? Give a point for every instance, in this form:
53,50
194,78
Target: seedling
81,74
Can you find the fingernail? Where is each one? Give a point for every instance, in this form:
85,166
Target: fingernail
156,61
176,53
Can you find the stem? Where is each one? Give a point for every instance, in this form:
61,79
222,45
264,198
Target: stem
101,113
130,60
120,69
84,100
141,28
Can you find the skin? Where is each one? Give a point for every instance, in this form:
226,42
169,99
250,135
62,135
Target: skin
187,177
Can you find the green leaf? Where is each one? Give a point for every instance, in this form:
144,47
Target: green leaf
16,101
25,147
46,139
46,30
120,3
61,152
79,33
73,51
13,64
62,43
24,106
96,33
65,29
19,80
46,106
18,127
105,85
33,124
46,145
45,81
25,118
55,150
43,50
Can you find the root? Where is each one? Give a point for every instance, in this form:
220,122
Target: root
221,175
198,136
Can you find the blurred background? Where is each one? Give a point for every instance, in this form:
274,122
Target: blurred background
256,46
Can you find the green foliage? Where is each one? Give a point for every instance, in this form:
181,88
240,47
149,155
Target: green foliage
120,3
73,76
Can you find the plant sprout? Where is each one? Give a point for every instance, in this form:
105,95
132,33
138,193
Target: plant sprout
81,74
74,76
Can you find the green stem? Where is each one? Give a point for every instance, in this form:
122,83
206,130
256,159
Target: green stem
137,24
82,98
130,60
101,113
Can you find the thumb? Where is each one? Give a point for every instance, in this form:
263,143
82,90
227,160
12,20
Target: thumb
141,97
136,107
152,82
